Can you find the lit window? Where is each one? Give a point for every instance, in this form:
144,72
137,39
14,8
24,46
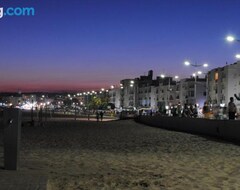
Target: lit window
216,76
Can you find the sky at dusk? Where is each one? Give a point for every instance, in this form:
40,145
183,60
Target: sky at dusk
90,44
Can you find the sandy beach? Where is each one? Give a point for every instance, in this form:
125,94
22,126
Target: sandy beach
127,155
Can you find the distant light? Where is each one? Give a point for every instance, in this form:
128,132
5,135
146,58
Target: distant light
93,91
230,38
121,84
106,90
205,65
162,76
102,89
237,56
121,87
199,72
187,63
167,107
176,77
131,85
112,87
194,74
132,82
222,105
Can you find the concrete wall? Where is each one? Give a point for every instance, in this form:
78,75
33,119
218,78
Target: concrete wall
229,130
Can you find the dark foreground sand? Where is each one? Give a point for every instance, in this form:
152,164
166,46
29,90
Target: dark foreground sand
126,155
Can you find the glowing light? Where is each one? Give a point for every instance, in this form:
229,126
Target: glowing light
199,72
222,105
230,38
187,63
162,76
205,65
237,56
176,77
132,82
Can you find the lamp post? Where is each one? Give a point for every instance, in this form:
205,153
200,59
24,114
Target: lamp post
112,91
169,85
187,63
233,39
87,93
132,93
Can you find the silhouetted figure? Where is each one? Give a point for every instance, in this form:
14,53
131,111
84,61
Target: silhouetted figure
231,109
97,116
101,115
195,111
206,110
40,117
185,112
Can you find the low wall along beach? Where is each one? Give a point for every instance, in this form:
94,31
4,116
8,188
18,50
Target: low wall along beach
226,129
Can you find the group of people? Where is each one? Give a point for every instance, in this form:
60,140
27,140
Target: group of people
190,111
231,109
208,112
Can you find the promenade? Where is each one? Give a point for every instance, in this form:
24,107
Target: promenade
121,155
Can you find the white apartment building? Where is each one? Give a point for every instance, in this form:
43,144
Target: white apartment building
144,92
128,94
187,91
223,83
114,97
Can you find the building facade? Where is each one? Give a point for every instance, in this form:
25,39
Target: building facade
223,83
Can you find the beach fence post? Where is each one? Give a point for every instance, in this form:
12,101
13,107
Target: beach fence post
12,118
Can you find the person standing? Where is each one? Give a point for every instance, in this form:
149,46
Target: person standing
231,109
101,115
206,110
97,116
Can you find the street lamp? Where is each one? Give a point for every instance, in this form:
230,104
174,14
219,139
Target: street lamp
169,86
187,63
231,39
237,56
86,94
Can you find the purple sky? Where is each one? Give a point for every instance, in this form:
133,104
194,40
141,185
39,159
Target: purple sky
89,44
